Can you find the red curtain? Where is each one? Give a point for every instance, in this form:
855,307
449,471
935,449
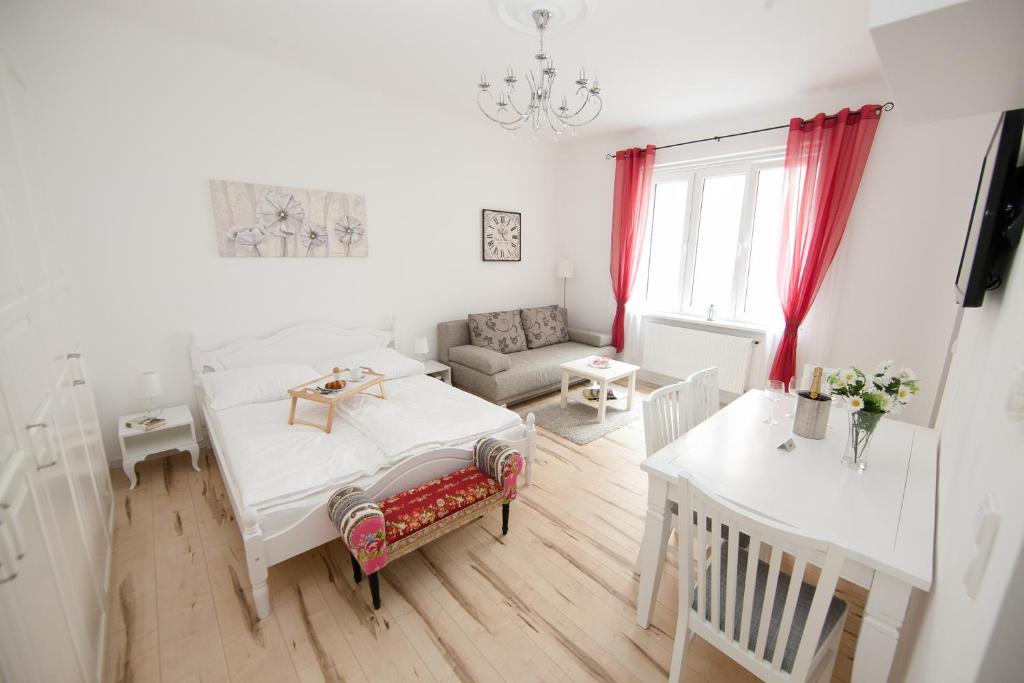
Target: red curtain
825,159
633,171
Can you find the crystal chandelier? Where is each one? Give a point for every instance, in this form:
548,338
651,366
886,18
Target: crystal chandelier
540,114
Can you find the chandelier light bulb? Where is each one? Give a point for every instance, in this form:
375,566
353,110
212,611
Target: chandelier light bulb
541,112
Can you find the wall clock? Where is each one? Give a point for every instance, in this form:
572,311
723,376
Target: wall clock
502,235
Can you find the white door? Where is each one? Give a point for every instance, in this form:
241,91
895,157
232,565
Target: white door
92,439
36,641
79,468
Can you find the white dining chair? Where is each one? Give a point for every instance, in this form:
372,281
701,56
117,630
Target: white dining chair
668,414
706,400
724,587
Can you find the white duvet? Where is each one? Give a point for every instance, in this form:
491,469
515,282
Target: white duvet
273,462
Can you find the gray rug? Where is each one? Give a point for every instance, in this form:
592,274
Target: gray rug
578,422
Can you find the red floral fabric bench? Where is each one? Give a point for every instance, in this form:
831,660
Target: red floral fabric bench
378,532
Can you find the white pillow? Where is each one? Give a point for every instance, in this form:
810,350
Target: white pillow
387,362
258,384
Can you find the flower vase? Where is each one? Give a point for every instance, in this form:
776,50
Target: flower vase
862,428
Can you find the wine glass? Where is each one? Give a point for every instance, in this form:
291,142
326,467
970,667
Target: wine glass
776,388
791,403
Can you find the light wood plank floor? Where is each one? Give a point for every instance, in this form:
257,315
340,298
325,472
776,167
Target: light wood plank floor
553,601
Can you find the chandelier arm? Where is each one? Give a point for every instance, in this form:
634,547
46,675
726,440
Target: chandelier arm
580,124
586,100
515,122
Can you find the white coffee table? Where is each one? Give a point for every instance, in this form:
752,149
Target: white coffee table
603,376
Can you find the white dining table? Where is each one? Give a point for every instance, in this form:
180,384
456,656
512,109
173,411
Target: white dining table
883,517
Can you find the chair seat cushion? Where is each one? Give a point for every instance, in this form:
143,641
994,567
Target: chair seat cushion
803,607
451,497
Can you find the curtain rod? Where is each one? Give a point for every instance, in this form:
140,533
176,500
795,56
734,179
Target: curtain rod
888,106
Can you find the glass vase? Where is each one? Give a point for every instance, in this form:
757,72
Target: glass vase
862,428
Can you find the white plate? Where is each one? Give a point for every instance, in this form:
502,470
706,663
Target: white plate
599,365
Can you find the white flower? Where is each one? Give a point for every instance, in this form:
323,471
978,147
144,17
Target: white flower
280,213
906,375
904,393
854,403
884,366
849,375
838,382
884,402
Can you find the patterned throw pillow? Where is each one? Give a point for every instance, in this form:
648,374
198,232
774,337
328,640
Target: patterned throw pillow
501,331
545,326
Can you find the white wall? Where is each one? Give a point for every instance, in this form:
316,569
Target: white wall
133,121
981,455
890,292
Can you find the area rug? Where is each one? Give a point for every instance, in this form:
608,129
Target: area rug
578,423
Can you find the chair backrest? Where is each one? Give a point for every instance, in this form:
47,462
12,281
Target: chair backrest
768,539
668,414
706,401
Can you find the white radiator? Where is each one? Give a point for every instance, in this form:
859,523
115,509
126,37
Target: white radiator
675,351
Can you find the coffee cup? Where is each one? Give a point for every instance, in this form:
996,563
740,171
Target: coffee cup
356,372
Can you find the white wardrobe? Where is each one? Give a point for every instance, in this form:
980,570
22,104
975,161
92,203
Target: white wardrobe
55,494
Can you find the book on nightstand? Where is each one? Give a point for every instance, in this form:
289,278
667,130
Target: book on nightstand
144,423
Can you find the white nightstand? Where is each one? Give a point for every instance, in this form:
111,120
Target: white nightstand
178,433
438,370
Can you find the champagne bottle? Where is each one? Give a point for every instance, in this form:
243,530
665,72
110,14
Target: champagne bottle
816,383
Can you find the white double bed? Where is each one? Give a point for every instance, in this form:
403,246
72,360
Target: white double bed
279,476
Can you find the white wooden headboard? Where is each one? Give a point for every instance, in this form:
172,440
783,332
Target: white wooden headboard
307,343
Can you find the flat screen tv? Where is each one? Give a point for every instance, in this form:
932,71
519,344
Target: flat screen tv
998,213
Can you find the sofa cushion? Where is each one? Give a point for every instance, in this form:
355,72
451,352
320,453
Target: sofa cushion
545,326
578,334
501,331
531,370
487,361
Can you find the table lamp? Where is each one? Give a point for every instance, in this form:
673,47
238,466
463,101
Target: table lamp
421,348
565,271
149,389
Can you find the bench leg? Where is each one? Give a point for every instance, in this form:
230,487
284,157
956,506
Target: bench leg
375,590
504,519
357,571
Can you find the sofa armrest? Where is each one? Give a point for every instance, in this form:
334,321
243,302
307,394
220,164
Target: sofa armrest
360,524
487,361
578,334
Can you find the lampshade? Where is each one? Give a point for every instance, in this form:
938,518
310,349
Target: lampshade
420,345
149,385
565,268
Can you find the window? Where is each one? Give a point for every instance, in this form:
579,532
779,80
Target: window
714,236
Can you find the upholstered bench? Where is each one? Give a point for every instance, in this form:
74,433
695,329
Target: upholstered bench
378,532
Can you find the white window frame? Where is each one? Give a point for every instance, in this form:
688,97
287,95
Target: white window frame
695,173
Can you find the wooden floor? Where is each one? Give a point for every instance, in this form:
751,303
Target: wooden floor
554,600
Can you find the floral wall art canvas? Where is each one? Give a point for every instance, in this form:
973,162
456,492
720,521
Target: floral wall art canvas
264,220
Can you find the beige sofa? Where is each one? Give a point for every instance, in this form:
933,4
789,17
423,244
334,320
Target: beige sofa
505,378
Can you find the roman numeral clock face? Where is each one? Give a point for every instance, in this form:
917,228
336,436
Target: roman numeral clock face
502,235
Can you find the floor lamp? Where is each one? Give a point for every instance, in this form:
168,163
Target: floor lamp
564,271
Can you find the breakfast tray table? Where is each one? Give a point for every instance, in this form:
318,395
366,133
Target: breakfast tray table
308,392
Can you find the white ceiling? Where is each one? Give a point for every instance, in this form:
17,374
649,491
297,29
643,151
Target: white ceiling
657,60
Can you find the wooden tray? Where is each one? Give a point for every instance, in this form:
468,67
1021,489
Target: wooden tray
308,392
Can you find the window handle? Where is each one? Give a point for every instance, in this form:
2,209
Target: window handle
77,382
69,356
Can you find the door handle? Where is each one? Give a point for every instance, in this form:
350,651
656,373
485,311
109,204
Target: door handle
40,425
69,356
4,561
77,382
16,535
